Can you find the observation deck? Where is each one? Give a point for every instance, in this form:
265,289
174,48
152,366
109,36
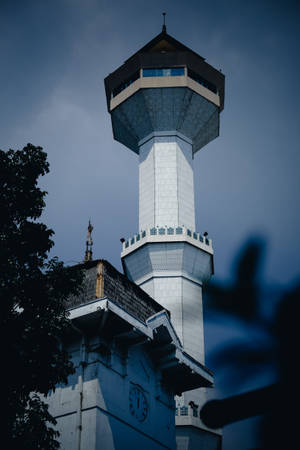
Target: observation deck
165,86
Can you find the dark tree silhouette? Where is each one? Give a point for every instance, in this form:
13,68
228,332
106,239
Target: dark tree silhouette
278,347
32,290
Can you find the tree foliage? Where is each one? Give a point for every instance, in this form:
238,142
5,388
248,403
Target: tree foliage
33,290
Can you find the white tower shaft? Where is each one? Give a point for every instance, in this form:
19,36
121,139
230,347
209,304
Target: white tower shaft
183,298
173,265
166,181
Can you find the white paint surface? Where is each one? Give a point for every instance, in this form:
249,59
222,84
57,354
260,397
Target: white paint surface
166,183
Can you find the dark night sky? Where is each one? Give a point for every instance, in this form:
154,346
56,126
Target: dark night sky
54,57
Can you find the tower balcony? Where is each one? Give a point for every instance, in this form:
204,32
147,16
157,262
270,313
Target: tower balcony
166,234
168,251
171,264
164,78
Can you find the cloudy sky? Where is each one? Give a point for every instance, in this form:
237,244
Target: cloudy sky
54,58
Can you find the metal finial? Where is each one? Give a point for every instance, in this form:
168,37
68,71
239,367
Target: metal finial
90,227
164,28
89,244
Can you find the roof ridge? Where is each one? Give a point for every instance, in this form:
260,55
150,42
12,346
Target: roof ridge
167,37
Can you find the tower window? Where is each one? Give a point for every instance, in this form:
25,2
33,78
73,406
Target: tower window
162,231
167,72
189,233
143,234
184,411
178,230
194,76
125,83
153,231
170,230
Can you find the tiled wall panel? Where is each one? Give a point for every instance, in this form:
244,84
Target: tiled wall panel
166,183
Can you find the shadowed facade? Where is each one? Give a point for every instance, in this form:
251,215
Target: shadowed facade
129,364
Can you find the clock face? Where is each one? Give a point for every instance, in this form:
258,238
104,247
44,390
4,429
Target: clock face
138,404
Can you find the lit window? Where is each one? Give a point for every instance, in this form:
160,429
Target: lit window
177,71
167,72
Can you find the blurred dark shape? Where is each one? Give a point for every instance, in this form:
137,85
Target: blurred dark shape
217,413
276,347
241,298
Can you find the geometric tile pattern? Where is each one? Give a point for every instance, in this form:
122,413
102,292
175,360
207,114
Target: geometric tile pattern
166,183
164,109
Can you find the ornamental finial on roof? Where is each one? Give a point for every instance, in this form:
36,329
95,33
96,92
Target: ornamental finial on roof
89,244
164,28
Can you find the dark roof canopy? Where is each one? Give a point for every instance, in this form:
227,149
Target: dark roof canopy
164,51
163,43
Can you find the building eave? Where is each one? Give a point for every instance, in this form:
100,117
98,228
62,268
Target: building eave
180,370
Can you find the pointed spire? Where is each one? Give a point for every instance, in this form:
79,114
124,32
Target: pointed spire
164,28
89,244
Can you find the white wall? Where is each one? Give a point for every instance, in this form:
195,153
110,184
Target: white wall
183,298
107,422
166,183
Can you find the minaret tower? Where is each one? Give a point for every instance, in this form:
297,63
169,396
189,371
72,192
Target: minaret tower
165,102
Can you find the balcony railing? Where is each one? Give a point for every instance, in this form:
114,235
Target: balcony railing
187,411
167,231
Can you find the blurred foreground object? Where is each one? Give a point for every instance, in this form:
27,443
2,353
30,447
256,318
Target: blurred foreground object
218,413
279,349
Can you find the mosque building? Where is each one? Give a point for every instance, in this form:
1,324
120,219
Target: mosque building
137,340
